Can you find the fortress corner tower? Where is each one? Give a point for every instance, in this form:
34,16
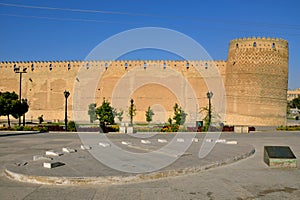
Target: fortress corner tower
256,81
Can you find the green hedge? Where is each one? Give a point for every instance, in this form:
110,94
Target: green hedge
288,128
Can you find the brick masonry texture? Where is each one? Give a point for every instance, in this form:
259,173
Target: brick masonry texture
255,77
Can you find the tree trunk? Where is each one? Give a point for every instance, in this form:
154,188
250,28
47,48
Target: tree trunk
8,121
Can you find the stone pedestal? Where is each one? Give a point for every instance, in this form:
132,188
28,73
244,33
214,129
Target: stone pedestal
162,141
40,157
53,153
241,129
68,150
129,129
85,147
122,129
103,144
50,165
279,157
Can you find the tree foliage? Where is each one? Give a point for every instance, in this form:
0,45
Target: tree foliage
149,114
20,108
41,119
204,111
105,113
72,126
295,103
119,114
11,105
179,115
215,119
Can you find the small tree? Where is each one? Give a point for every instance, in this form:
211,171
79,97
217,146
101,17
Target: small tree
119,115
296,103
170,121
92,112
179,115
72,126
204,111
149,114
41,119
215,117
131,111
105,113
19,108
11,105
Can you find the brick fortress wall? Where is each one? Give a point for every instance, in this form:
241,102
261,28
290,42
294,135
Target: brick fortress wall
255,78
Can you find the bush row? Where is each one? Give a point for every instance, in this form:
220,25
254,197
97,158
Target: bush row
288,128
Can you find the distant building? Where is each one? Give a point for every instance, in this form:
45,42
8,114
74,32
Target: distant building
292,94
294,111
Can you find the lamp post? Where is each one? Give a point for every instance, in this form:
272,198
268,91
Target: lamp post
209,96
18,71
131,111
67,94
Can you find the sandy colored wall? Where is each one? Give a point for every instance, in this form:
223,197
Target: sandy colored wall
255,80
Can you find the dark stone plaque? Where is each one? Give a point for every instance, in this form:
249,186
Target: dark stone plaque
279,152
279,156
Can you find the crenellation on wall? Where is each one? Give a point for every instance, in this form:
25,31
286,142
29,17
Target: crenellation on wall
275,44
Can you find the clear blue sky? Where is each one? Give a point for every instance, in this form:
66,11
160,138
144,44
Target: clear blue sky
69,33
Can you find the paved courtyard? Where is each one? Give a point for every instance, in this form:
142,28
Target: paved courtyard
249,178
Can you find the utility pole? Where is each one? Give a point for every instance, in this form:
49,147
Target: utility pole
17,70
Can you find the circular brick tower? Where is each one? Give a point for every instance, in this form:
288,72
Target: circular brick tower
256,81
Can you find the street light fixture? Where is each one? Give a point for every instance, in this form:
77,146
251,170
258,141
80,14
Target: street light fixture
66,94
131,111
209,96
18,71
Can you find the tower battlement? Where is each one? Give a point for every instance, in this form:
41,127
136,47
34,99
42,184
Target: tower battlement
70,64
265,43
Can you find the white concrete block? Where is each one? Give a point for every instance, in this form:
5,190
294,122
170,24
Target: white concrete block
126,143
180,140
129,129
122,129
145,142
50,165
162,141
195,140
68,150
85,147
231,142
221,141
40,157
103,144
53,153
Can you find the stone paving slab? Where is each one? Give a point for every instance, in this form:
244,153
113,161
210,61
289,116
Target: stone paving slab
82,168
247,179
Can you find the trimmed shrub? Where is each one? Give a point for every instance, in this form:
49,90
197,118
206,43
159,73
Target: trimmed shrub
71,126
